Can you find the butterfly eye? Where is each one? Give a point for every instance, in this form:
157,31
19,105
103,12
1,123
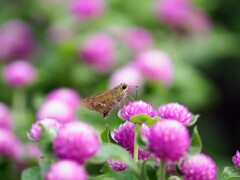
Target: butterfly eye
124,86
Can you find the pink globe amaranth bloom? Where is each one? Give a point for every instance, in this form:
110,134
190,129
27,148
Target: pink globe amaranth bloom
138,39
169,140
66,170
76,141
32,151
137,107
66,95
87,9
58,110
99,52
19,73
198,167
9,144
155,65
16,40
117,165
123,75
36,129
125,137
175,111
5,116
173,12
236,159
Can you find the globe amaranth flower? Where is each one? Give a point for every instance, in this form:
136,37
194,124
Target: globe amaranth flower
99,52
169,140
16,40
123,74
155,65
5,116
9,144
67,95
236,159
58,110
138,39
124,136
137,107
19,73
117,165
66,170
32,151
36,130
87,9
76,141
175,111
198,167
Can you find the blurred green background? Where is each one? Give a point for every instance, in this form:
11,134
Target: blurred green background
206,65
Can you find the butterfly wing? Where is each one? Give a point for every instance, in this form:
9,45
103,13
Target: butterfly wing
102,103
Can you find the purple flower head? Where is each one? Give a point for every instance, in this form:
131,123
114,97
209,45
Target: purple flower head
137,107
19,73
123,74
125,137
56,109
9,144
117,165
198,167
66,170
236,159
87,9
138,39
155,65
16,40
66,95
175,111
99,52
169,140
173,12
5,116
76,141
36,130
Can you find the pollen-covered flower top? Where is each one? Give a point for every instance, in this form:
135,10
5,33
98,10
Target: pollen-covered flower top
137,107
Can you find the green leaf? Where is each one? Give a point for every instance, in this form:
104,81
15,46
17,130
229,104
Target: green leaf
143,118
32,173
174,178
105,134
196,143
230,173
102,177
112,151
194,120
143,175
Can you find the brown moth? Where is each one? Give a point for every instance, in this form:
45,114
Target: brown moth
105,102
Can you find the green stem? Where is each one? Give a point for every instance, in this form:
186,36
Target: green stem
135,152
161,171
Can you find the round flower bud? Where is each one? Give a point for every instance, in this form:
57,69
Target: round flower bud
58,110
125,137
66,95
66,170
19,73
236,159
5,116
9,144
16,40
138,39
36,130
198,167
76,141
117,165
87,9
169,140
137,107
123,74
99,52
155,65
175,111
